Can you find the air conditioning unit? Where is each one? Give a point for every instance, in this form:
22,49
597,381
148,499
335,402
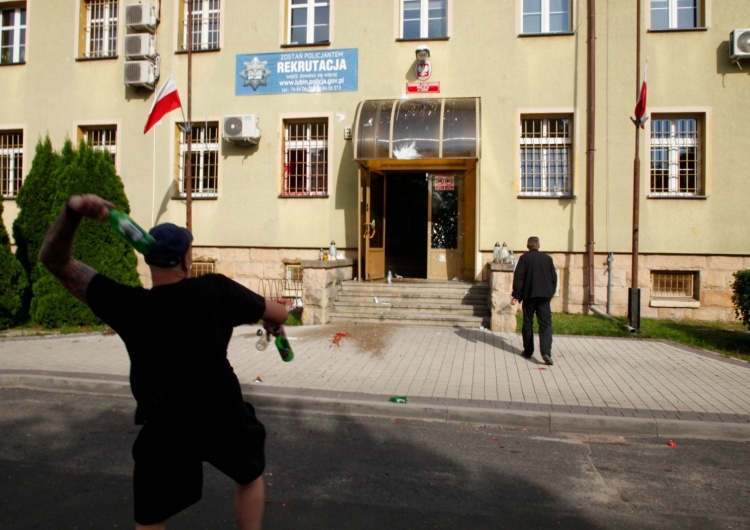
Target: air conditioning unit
242,128
140,46
141,17
739,44
141,73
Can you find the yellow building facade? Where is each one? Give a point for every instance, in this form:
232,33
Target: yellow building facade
416,134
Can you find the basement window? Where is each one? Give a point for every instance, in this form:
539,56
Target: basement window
674,289
201,268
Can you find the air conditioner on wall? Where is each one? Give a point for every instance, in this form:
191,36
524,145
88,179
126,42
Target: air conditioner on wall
141,17
241,128
140,46
141,73
739,44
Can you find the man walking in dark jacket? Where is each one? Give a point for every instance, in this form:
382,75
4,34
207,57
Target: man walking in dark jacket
534,284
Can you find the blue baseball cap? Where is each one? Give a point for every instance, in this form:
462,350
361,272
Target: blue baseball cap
172,243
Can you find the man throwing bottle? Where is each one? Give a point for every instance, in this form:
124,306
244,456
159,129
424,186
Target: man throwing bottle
188,397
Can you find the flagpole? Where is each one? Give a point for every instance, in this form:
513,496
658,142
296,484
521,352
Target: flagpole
634,293
189,134
153,176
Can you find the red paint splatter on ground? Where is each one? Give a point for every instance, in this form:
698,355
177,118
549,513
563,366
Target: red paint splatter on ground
338,336
542,368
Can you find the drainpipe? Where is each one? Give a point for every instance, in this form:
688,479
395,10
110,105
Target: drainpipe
590,148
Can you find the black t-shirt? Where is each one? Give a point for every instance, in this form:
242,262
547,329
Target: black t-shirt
177,336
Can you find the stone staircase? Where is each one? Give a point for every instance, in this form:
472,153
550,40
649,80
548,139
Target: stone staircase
414,302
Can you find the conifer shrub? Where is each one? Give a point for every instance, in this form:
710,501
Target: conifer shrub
13,282
741,296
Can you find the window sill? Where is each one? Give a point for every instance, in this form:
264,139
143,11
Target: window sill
184,52
87,59
677,30
183,197
675,196
12,64
306,45
548,34
401,39
546,196
300,196
667,302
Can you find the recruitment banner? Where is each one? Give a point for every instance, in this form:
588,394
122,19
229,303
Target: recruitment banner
296,72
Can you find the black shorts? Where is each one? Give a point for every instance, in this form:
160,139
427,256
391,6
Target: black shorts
168,475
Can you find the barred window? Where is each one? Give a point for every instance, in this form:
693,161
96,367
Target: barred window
201,268
100,29
206,24
11,162
676,156
424,19
204,157
306,158
101,138
309,21
13,35
666,284
545,156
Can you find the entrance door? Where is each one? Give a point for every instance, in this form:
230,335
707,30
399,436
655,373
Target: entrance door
373,225
445,226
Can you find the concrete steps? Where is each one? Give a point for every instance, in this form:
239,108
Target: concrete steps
414,302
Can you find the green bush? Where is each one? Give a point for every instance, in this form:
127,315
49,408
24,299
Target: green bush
13,282
97,245
741,296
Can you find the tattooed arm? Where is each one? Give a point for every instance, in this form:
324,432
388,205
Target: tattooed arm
55,252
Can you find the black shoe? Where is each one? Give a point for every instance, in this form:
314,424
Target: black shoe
548,360
527,355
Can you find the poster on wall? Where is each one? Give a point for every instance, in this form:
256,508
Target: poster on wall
296,72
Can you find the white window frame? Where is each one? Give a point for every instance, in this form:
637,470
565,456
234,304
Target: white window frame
306,145
108,21
203,149
545,16
12,155
17,28
203,16
545,145
424,19
312,6
673,144
673,10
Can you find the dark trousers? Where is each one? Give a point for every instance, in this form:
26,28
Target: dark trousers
540,308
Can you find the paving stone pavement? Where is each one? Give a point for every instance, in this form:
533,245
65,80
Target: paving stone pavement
598,385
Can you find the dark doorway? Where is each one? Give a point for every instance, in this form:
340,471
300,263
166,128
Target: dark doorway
406,229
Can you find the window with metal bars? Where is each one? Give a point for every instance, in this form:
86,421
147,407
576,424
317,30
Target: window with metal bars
206,24
667,284
424,19
201,268
545,16
13,35
676,14
11,162
546,144
309,21
101,138
676,156
204,157
100,29
306,158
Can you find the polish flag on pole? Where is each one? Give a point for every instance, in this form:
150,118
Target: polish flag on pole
167,99
640,106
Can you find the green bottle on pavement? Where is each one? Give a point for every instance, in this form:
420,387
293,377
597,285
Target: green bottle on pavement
136,236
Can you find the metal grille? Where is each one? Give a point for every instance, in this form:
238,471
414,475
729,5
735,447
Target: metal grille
102,139
13,35
101,28
204,158
11,162
306,158
673,284
201,268
676,156
545,156
206,24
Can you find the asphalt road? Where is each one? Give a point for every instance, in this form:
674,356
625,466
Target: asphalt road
65,464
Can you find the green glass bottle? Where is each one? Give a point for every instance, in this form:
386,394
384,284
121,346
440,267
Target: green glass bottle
285,349
136,236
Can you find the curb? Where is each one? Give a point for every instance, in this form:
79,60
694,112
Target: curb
377,406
